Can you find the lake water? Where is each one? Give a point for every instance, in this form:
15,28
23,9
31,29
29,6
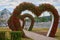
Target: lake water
40,25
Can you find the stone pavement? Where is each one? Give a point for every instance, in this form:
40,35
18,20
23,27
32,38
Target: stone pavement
36,36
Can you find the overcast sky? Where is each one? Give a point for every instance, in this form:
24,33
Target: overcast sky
11,4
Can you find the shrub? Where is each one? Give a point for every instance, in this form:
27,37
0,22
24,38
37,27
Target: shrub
2,35
16,35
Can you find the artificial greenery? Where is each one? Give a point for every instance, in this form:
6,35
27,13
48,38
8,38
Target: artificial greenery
16,35
2,35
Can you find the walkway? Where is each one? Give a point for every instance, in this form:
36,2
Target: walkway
36,36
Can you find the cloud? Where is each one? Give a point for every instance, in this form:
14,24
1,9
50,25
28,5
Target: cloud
13,3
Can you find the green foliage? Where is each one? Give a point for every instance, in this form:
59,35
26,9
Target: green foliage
44,19
30,29
2,35
28,20
41,19
16,35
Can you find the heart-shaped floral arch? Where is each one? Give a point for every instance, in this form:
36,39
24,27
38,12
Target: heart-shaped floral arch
30,17
14,23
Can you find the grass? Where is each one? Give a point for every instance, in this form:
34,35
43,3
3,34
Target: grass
37,30
8,34
58,34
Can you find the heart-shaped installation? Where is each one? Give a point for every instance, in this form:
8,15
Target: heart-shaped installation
30,17
14,23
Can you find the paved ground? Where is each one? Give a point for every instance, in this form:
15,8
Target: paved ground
36,36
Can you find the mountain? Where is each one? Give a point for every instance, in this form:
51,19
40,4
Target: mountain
4,16
5,11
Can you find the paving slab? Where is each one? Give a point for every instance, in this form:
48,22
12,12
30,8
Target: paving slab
36,36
